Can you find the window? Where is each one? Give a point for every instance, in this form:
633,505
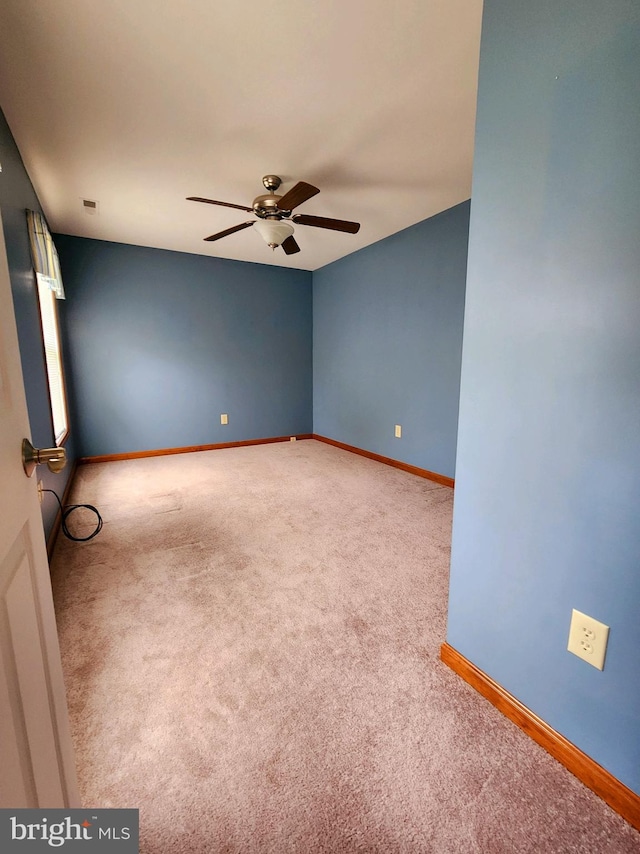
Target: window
47,267
53,357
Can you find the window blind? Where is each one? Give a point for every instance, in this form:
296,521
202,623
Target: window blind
43,252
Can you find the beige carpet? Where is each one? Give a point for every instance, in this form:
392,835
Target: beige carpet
251,655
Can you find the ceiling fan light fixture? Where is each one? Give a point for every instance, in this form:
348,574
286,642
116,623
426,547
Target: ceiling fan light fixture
274,232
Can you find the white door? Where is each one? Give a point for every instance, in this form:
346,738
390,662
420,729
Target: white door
36,755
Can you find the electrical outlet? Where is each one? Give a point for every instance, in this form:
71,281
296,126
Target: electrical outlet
40,488
588,638
292,438
398,431
224,419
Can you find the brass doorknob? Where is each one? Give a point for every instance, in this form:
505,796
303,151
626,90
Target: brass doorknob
55,458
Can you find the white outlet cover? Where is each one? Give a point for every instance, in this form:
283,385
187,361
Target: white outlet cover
398,433
588,639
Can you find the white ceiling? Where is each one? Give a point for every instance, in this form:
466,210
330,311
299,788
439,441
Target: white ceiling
139,103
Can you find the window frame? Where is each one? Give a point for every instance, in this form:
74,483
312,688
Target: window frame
43,284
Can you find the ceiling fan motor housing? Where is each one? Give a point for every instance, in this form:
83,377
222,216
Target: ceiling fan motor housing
267,205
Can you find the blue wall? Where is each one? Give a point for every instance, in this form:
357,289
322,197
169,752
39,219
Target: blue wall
548,470
17,194
163,342
387,338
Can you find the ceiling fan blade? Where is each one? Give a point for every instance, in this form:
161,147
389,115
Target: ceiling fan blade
228,231
290,246
222,204
297,195
326,222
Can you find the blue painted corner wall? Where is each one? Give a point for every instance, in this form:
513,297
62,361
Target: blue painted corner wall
548,464
16,195
387,341
162,343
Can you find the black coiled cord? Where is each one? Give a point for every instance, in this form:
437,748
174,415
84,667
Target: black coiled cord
68,510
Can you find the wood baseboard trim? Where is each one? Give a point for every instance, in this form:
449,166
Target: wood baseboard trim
189,449
620,798
442,479
57,522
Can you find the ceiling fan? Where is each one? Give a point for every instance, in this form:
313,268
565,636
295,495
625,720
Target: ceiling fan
274,211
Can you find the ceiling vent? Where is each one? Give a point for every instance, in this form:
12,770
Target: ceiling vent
90,206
